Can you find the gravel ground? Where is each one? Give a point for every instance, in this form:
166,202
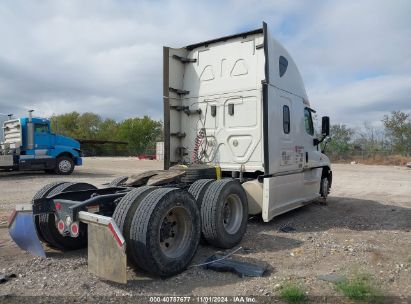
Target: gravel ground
365,226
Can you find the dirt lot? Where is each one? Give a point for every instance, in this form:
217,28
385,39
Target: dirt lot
364,227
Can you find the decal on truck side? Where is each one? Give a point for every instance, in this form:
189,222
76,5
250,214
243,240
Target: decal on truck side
299,156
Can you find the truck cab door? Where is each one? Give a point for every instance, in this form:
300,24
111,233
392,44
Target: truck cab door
312,154
42,136
312,157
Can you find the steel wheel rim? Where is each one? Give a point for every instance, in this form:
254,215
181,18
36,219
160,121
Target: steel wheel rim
64,165
232,213
175,232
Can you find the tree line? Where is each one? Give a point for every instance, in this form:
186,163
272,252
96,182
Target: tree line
140,133
394,137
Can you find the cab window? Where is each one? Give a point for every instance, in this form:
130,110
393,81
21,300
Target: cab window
308,121
282,64
41,128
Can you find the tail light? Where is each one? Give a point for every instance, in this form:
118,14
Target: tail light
74,229
60,226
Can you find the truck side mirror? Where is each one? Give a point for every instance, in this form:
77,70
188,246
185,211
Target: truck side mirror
325,125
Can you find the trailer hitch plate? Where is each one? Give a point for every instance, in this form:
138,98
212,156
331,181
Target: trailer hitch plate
106,248
23,231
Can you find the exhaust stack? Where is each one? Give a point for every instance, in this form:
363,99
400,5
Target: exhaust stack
30,131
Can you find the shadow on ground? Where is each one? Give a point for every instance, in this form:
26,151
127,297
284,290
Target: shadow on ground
342,213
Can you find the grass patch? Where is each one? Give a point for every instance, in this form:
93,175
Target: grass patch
360,287
293,293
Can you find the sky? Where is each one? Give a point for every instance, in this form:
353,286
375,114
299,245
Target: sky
105,56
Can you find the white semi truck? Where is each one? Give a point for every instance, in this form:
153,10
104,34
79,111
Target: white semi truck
239,140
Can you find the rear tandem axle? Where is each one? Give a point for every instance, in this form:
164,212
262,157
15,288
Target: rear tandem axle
160,225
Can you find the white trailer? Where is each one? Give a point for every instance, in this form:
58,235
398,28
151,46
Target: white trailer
239,140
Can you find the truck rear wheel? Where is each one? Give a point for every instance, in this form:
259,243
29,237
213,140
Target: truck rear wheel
64,165
165,232
198,188
42,193
125,209
48,226
224,213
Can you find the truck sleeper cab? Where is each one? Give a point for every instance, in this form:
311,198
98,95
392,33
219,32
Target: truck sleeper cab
239,141
243,98
30,145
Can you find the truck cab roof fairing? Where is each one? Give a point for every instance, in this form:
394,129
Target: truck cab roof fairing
225,38
291,81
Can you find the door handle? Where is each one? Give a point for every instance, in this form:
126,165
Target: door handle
231,109
213,111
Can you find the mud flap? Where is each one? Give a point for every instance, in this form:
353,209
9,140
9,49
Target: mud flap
106,248
23,231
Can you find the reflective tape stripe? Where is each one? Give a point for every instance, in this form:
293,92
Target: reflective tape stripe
11,218
119,238
218,172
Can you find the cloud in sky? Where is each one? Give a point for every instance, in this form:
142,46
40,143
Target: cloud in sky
106,56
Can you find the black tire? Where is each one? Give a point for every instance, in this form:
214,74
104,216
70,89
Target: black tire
124,213
199,171
152,237
47,222
42,193
64,165
119,181
325,183
218,227
198,189
324,187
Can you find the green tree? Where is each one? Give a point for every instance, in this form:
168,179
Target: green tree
109,130
88,125
65,124
398,127
84,126
341,137
140,133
